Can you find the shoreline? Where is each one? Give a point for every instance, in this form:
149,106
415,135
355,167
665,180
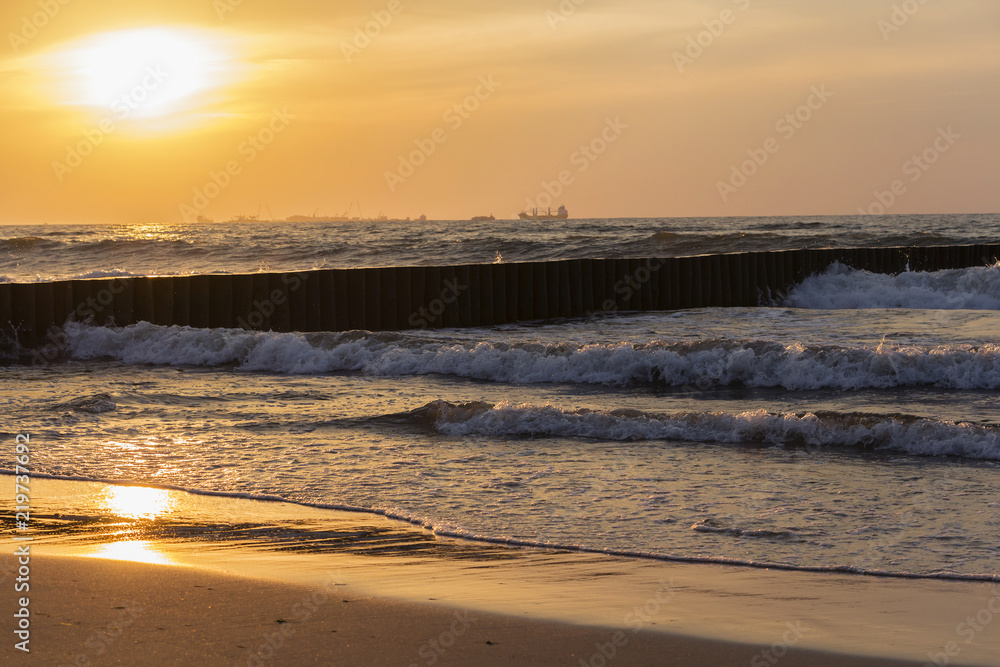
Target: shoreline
714,614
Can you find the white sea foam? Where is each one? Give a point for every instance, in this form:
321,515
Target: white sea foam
703,364
841,287
923,437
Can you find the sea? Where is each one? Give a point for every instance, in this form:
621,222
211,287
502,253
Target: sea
851,426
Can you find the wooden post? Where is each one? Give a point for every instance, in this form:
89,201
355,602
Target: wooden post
163,300
462,294
499,282
357,297
569,292
690,274
373,308
540,288
447,294
6,312
487,309
242,286
602,296
416,307
712,265
220,301
525,292
200,303
343,288
512,278
44,309
293,285
327,300
182,300
728,279
404,296
262,307
577,287
143,301
385,298
23,314
281,315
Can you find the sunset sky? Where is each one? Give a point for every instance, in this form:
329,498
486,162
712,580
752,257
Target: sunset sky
123,111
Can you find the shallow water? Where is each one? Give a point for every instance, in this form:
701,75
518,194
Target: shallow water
853,427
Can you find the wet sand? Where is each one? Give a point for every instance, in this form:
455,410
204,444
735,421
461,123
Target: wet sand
240,582
93,611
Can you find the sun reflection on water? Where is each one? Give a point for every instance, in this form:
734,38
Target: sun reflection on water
136,551
136,502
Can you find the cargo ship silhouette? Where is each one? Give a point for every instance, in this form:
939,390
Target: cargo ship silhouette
560,214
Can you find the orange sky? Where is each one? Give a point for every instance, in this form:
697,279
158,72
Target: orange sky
217,107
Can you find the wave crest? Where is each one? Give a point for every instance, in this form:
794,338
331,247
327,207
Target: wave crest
841,288
703,364
899,433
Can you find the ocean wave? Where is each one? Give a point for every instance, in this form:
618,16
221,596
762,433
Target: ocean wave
21,243
700,365
840,287
110,273
448,530
897,433
95,405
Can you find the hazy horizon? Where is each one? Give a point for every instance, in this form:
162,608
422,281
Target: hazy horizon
159,112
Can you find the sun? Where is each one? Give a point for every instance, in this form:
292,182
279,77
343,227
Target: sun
140,73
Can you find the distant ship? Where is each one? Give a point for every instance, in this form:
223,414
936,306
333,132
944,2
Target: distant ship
347,217
314,217
483,218
560,214
317,218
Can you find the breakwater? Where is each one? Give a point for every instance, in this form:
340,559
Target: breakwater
470,295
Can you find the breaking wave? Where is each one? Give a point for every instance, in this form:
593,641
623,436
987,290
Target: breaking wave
894,432
841,287
702,364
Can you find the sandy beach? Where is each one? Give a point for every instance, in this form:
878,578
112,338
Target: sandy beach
100,612
379,592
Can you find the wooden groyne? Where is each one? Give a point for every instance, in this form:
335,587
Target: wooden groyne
468,295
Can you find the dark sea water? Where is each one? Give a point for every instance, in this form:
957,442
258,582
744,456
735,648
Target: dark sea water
854,426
